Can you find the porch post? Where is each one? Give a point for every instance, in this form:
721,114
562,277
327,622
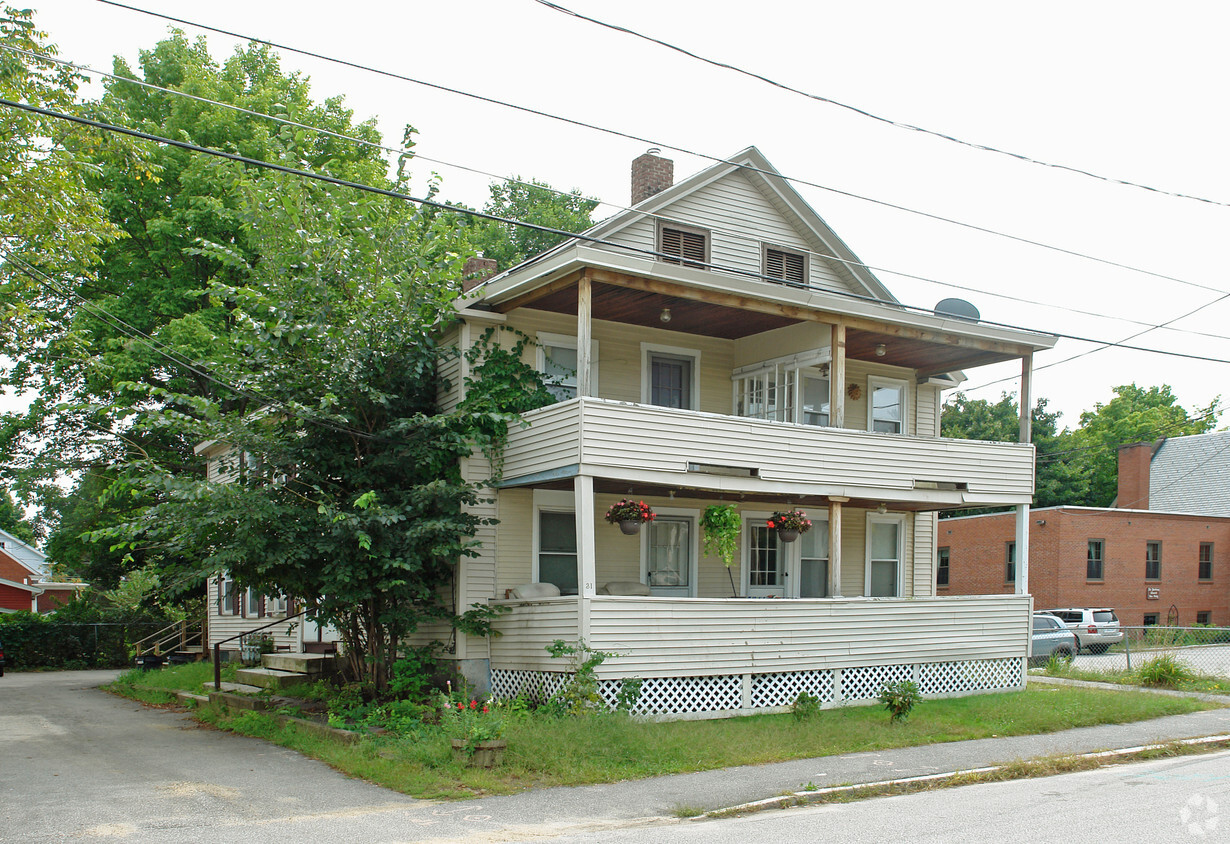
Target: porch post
835,545
584,330
1022,510
837,376
583,489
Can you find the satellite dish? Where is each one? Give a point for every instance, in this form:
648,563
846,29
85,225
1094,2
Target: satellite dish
958,308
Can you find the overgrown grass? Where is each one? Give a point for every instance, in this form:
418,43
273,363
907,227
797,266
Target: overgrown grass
1185,683
548,751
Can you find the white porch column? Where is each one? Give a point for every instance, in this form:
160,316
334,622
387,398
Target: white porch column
835,546
583,489
837,377
584,332
1022,510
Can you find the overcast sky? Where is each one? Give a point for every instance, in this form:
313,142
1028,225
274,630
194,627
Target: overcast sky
1125,90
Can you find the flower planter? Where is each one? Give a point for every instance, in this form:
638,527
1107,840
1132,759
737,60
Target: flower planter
630,527
486,754
787,535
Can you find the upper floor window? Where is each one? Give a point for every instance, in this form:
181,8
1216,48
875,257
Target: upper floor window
1153,560
941,566
785,264
1094,559
796,392
689,243
557,361
886,406
1206,561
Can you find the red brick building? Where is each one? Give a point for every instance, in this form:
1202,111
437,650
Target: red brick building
23,585
1151,566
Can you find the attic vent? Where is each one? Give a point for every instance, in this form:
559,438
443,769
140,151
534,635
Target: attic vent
788,266
692,245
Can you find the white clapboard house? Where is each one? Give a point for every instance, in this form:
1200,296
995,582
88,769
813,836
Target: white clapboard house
719,344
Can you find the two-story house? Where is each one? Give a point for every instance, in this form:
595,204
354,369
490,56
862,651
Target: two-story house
719,344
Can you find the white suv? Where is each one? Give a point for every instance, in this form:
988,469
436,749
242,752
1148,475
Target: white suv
1095,628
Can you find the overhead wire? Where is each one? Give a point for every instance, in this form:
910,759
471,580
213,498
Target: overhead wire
654,143
400,151
738,271
868,114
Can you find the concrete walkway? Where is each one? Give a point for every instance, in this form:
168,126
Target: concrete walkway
78,763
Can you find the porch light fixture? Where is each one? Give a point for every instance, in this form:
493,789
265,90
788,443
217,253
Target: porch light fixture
882,509
665,316
881,350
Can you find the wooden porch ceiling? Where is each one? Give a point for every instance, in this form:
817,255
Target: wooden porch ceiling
634,300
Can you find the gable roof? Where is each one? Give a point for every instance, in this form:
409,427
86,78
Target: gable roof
29,557
1192,475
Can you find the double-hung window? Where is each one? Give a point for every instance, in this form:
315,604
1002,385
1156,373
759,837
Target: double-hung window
1153,561
941,566
557,361
671,376
886,405
1094,559
814,562
885,539
1009,562
1205,568
557,550
228,597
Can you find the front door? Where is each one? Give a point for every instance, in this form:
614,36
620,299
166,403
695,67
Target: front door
668,557
764,561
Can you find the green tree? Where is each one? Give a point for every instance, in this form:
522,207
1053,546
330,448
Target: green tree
13,519
1135,414
531,202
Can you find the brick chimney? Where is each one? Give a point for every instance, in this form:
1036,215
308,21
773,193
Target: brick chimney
1134,461
476,271
651,174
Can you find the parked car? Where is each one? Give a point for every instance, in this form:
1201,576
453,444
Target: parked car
1051,638
1096,628
1,659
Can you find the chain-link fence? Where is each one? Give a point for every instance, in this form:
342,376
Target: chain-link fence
50,644
1203,650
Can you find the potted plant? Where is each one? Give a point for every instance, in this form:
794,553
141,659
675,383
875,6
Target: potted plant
629,515
476,730
721,525
789,524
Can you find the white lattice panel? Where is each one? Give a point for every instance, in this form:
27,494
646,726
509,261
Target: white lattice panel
535,685
673,695
782,689
938,678
866,682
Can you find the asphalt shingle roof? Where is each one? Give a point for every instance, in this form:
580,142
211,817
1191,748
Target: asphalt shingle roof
1192,475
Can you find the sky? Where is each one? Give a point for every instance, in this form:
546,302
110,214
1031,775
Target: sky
1115,88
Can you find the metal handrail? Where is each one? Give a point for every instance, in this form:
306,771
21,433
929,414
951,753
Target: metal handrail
218,645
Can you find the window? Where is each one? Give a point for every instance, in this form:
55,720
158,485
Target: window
252,603
1203,617
1009,562
884,542
1093,560
1150,619
764,567
275,605
1153,561
787,265
1206,561
557,550
557,361
690,244
814,565
941,567
227,596
669,553
815,409
670,377
886,410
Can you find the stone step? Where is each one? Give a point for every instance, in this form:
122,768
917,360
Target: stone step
318,665
271,678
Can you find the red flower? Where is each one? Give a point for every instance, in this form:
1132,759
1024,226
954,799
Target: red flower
484,709
769,524
474,704
461,706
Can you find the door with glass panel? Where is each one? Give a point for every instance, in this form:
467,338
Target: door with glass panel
668,556
765,558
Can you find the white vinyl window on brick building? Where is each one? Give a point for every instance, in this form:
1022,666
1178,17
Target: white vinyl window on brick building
690,244
788,266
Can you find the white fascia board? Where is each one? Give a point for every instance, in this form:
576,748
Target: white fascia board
579,257
34,590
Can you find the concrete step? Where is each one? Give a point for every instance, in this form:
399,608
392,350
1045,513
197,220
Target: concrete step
233,687
271,678
318,665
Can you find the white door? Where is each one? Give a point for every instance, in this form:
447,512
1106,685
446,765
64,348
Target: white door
668,556
764,561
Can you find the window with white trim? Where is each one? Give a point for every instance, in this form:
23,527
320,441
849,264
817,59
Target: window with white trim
886,405
275,605
786,264
1009,562
885,544
670,376
814,561
668,552
689,243
942,558
227,596
557,550
252,603
793,389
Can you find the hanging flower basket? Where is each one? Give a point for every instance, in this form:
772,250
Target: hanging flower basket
789,524
629,515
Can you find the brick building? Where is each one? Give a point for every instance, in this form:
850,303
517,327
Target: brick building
1152,565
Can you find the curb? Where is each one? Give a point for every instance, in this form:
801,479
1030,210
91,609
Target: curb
800,798
1120,687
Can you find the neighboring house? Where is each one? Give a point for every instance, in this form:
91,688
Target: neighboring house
1162,555
25,582
732,349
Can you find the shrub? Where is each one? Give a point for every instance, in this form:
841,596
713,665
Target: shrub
805,706
580,694
899,698
1165,671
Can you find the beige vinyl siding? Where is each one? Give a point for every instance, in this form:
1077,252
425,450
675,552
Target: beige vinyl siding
853,551
514,552
551,441
223,467
923,563
225,626
741,220
659,637
449,392
779,342
927,413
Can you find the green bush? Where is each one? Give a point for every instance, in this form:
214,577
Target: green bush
899,698
1165,671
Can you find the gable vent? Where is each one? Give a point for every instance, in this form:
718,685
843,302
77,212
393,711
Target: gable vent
788,266
690,246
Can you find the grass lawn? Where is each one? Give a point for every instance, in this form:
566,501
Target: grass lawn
1190,683
548,751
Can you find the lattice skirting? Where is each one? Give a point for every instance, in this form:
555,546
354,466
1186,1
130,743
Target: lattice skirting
749,692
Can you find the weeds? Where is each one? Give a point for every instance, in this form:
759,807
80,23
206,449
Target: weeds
899,698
